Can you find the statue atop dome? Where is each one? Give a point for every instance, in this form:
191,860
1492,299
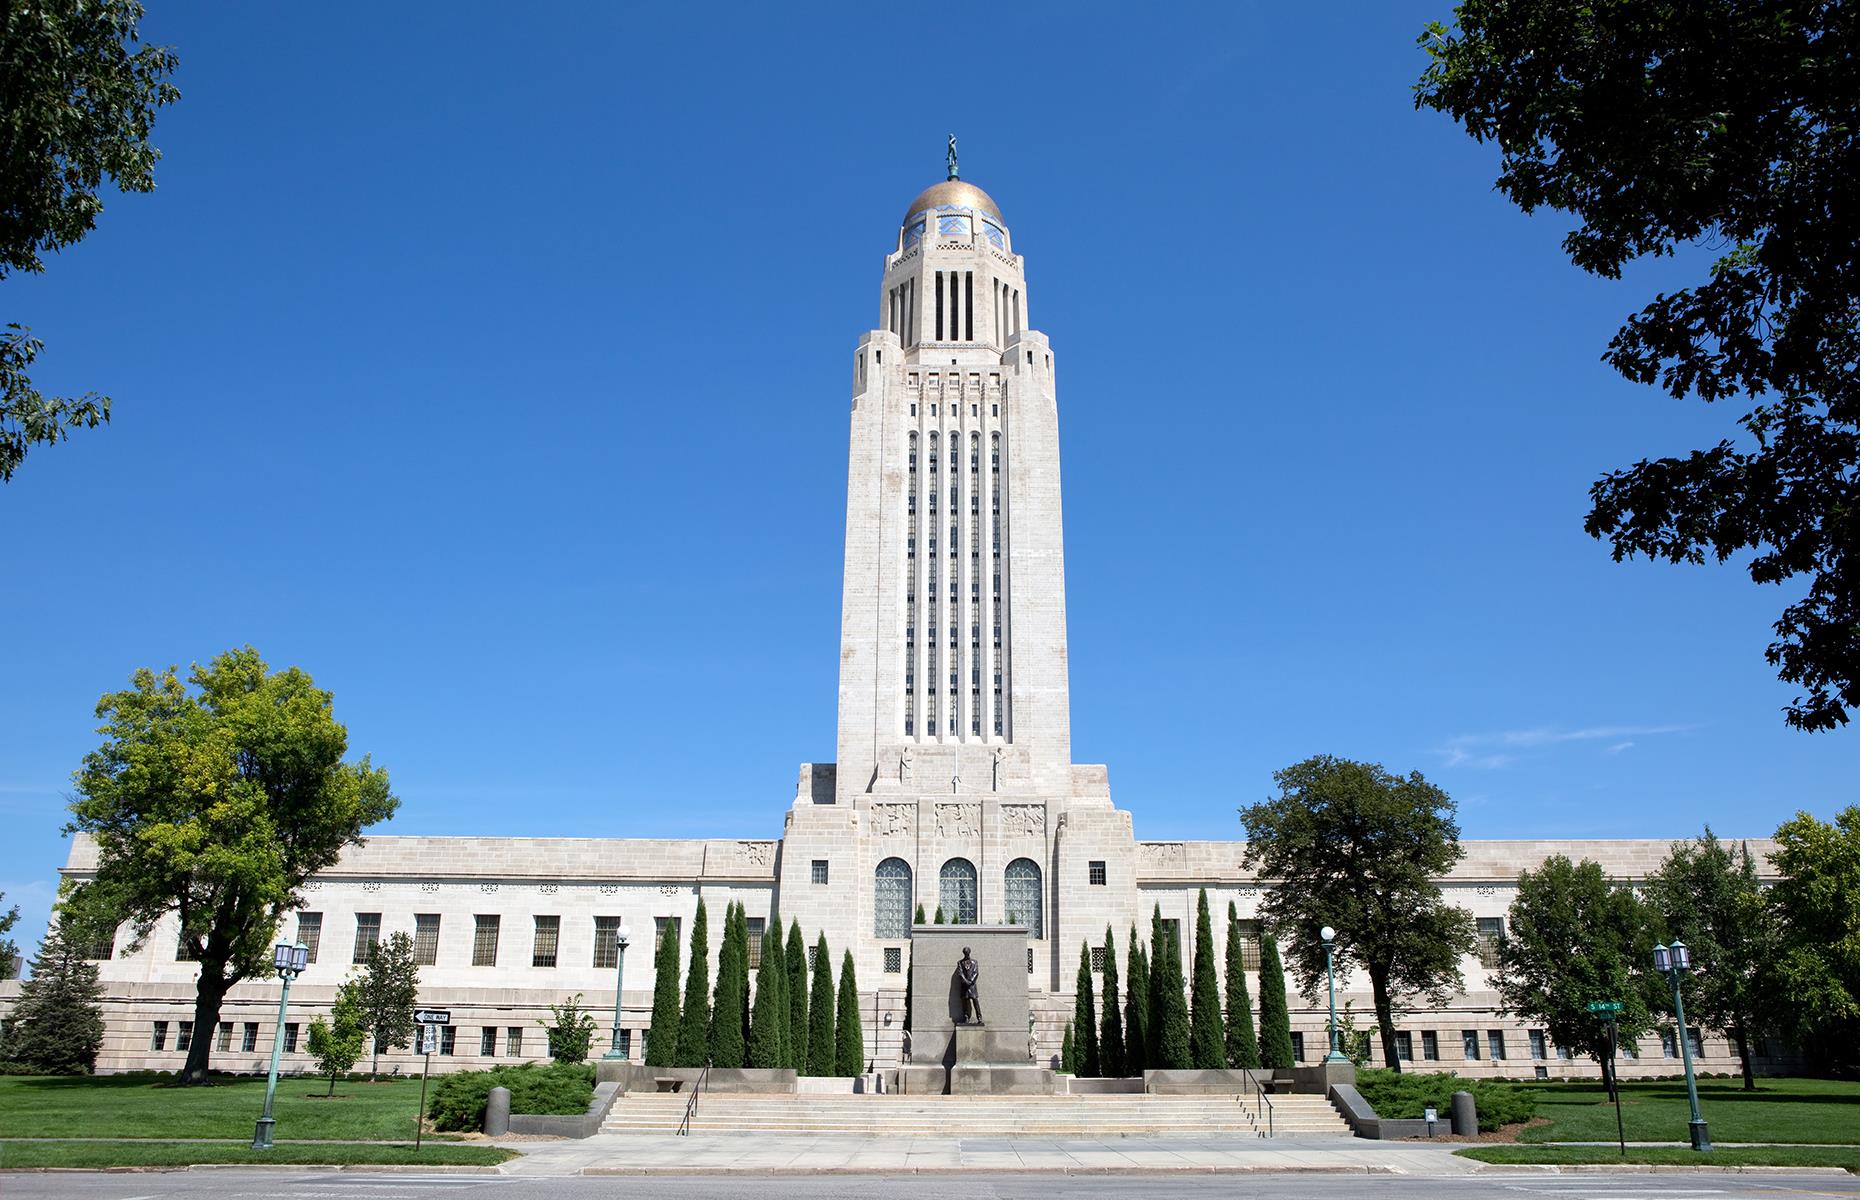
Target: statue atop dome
950,156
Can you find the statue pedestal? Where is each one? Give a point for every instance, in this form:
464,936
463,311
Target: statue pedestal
972,1043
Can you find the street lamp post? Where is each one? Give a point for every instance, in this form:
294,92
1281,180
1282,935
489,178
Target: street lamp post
1329,937
620,940
1674,962
290,961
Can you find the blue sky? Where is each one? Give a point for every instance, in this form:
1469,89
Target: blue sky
492,365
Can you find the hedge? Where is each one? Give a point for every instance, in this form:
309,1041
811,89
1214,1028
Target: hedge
1407,1093
458,1100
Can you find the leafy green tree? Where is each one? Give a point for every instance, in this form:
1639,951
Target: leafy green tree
849,1056
728,1047
56,1026
794,958
1708,895
822,1046
1137,1008
1207,1041
9,949
1168,1045
1818,900
337,1043
1275,1016
768,1020
1242,1046
693,1048
1352,846
1085,1018
80,98
1725,128
662,1036
1111,1058
217,804
1574,938
389,989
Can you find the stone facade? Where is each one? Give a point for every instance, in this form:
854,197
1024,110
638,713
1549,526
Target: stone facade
954,785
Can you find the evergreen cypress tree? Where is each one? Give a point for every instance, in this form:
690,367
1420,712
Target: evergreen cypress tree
795,958
1111,1041
1085,1017
847,1030
1207,1041
1137,1008
1069,1053
1275,1018
662,1037
56,1026
727,1048
769,1017
694,1023
939,915
1242,1045
920,914
772,945
1167,1036
822,1049
742,975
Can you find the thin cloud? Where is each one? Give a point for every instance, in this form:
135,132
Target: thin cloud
1491,751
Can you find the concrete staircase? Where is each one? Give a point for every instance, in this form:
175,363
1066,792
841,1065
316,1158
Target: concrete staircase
979,1116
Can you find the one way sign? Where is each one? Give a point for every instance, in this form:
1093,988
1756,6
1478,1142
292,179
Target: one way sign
431,1016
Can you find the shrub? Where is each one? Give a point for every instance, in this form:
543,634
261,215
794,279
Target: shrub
1407,1094
571,1032
458,1100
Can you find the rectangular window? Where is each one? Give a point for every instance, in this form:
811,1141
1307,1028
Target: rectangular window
1095,873
290,1038
448,1038
159,1040
487,1041
184,948
1495,1042
626,1043
1562,1053
513,1041
1430,1046
484,939
894,960
225,1042
1404,1045
184,1035
1097,959
756,925
813,957
425,938
1249,945
310,931
249,1042
367,933
1694,1042
1469,1044
1491,933
1298,1047
1669,1045
104,948
820,870
606,943
548,935
663,928
1539,1050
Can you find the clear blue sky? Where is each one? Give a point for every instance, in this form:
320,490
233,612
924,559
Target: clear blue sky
491,364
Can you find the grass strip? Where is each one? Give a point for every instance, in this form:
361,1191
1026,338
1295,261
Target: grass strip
1669,1156
95,1155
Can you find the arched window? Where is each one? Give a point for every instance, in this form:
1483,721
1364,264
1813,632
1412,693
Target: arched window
891,899
957,892
1022,898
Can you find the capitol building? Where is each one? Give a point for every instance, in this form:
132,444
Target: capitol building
954,785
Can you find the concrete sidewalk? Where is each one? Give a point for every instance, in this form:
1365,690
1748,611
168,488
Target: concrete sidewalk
758,1154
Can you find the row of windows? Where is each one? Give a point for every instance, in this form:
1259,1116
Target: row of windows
487,930
488,1038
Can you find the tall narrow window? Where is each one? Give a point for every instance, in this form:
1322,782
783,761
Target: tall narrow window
548,939
939,306
956,891
606,943
310,931
891,899
910,596
425,938
1022,899
756,927
484,940
968,306
367,933
994,505
1491,934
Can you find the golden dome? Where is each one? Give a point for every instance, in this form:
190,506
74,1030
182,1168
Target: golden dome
954,193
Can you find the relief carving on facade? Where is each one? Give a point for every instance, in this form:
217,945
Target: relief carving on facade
757,854
1023,820
894,820
958,820
1161,854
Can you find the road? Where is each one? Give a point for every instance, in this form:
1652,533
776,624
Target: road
281,1185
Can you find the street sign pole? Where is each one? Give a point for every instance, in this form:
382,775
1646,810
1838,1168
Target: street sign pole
1614,1080
429,1033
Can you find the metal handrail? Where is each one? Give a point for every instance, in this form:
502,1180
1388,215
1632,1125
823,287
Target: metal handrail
1265,1103
697,1087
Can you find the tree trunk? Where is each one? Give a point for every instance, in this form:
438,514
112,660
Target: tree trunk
1742,1040
208,996
1385,1017
374,1071
332,1083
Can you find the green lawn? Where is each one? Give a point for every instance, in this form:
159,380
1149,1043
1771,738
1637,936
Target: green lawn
1753,1156
151,1106
1780,1110
19,1155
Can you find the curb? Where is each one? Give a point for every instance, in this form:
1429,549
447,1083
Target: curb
265,1168
1648,1169
960,1169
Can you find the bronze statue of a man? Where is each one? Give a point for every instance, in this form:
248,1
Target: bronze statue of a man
968,973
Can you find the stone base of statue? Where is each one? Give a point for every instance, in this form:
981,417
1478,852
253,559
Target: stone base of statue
971,1058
